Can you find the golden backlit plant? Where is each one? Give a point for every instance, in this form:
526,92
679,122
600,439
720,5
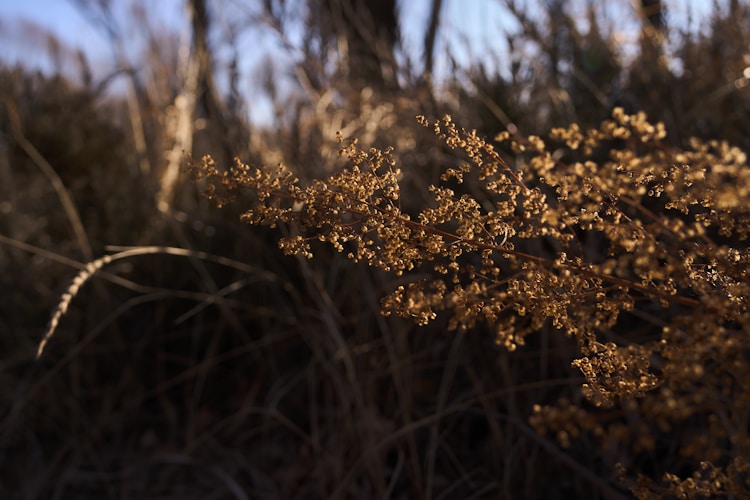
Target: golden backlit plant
635,248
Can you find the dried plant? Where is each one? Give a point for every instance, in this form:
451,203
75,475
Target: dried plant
632,247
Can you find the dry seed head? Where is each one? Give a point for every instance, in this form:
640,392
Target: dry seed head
631,224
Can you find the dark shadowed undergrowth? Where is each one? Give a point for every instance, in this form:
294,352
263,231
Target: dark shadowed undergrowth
551,306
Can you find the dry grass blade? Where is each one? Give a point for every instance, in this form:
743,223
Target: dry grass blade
49,172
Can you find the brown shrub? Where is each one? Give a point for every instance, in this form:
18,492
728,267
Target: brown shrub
634,248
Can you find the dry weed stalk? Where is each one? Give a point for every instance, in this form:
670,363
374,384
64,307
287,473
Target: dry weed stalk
608,226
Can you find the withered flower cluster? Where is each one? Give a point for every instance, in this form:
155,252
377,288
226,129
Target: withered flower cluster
591,231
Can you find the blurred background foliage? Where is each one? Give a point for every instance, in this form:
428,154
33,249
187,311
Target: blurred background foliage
181,377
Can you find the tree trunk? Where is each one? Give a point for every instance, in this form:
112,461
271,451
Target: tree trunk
366,33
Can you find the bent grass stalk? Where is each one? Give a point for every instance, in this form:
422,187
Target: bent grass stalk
95,266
